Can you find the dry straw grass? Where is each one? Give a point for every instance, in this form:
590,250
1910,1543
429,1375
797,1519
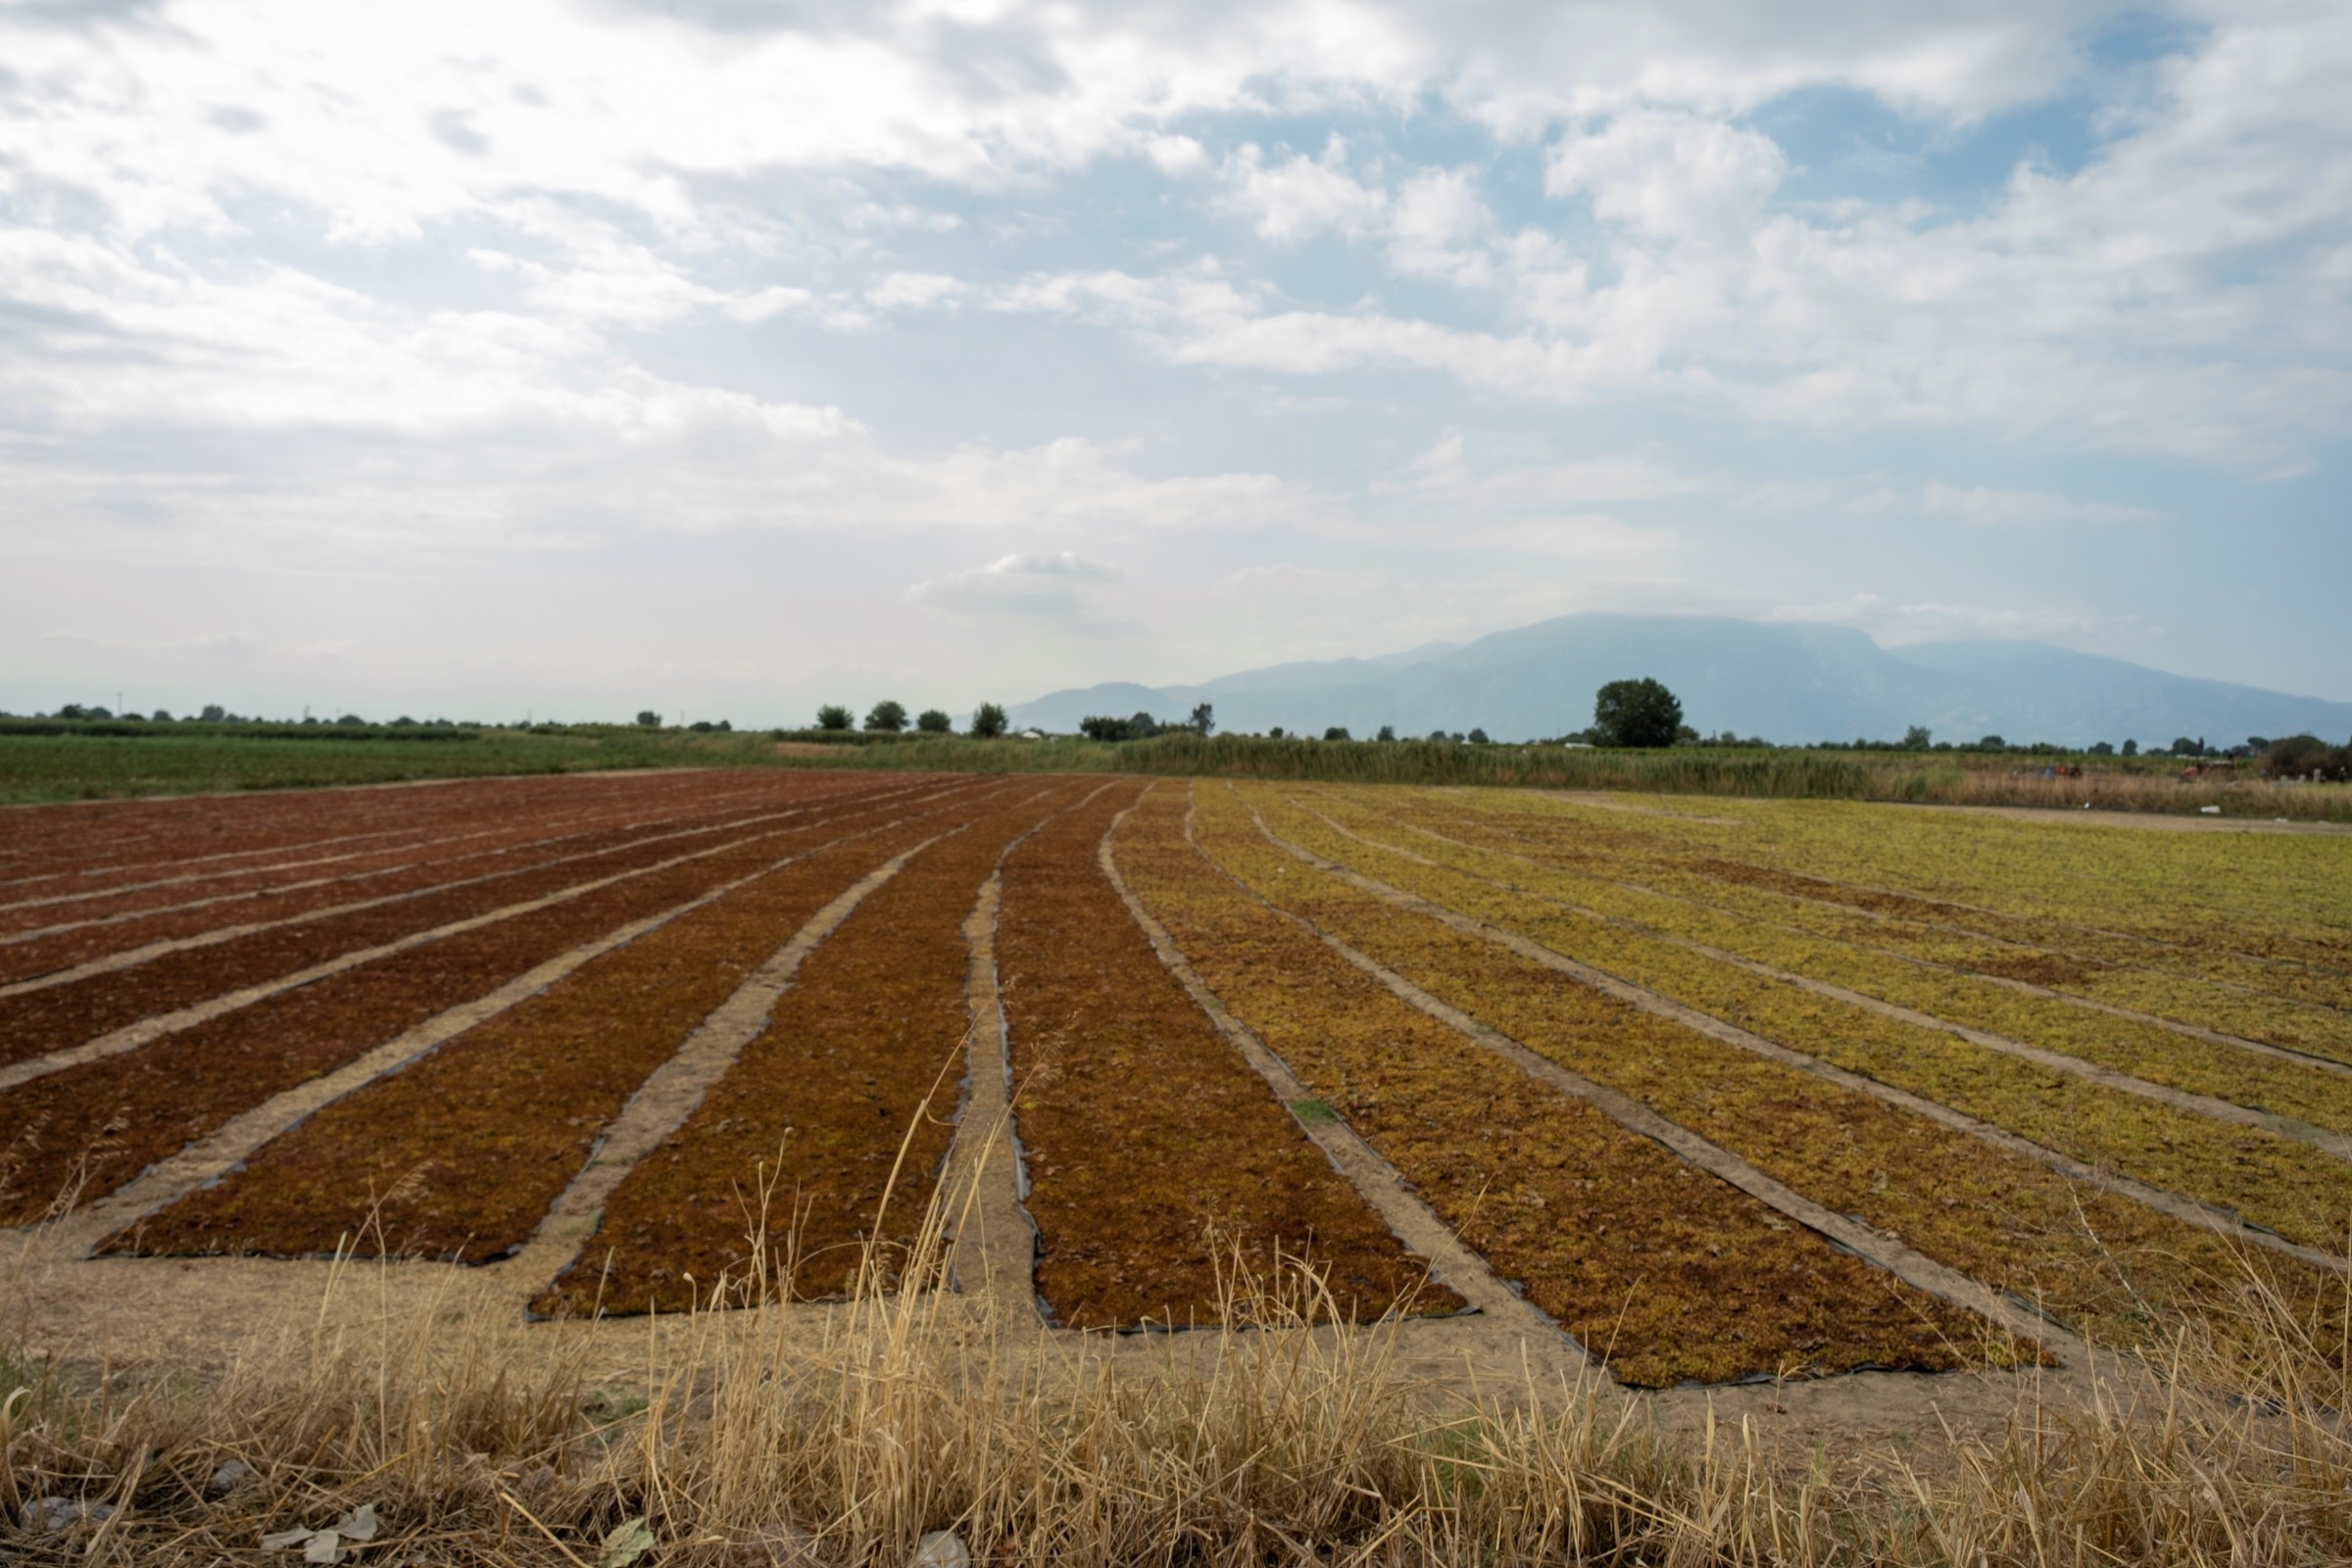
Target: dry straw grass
841,1435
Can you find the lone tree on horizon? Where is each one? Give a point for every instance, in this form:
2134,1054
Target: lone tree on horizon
987,720
1636,713
887,715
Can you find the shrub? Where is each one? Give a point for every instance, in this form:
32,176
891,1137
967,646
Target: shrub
833,717
989,721
2301,756
1636,713
933,721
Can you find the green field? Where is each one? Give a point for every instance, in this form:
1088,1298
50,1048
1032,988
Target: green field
51,759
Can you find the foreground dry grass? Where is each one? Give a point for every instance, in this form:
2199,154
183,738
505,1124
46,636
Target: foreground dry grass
842,1435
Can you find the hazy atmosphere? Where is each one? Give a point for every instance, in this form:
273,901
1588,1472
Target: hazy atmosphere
725,358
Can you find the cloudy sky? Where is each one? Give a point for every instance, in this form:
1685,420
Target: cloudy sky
726,357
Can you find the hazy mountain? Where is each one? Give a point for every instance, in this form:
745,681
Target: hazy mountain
1788,683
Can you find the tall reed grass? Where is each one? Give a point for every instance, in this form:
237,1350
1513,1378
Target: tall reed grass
844,1435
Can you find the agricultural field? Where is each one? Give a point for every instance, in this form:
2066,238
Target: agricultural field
1699,1090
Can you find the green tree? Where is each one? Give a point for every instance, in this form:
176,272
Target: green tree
2184,747
2102,748
933,721
833,717
1337,733
214,713
1992,743
989,721
1918,738
1203,720
1102,727
2131,748
887,716
1478,737
1636,713
1387,732
1275,733
647,718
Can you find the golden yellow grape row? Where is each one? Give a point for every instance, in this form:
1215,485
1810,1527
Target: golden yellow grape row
2095,1259
2284,1087
1665,1273
2273,1181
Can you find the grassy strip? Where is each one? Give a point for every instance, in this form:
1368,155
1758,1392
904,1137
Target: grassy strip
2103,1264
2265,1083
1666,1274
842,1103
1156,1156
89,1128
35,1023
112,760
277,897
460,1155
2273,1181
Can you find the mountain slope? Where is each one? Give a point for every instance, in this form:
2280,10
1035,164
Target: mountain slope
1789,683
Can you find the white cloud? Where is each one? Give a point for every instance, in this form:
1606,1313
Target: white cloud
1034,587
1893,623
1301,197
1670,176
1986,506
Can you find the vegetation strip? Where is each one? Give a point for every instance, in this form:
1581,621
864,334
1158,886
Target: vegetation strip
91,1128
1414,1223
2294,1192
1715,903
1990,1206
45,1019
459,1154
2332,1144
426,879
1667,1272
1157,1157
150,1029
828,1113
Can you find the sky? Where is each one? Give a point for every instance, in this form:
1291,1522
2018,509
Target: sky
567,358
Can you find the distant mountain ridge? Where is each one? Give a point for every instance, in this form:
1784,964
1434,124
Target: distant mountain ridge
1788,683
